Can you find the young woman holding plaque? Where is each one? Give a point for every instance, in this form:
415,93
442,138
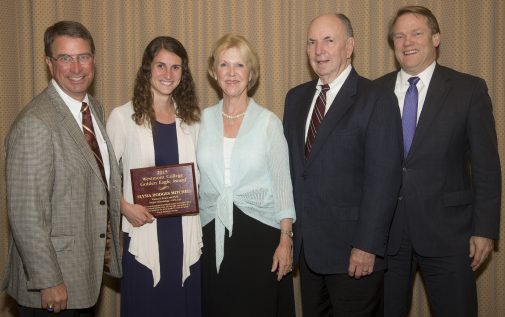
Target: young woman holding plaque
246,200
161,267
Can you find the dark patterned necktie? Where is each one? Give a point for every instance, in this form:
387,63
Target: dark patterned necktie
409,117
315,120
90,136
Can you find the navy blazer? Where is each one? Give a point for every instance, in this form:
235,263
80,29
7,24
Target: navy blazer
345,193
451,186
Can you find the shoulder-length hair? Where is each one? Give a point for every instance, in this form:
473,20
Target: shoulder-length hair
184,94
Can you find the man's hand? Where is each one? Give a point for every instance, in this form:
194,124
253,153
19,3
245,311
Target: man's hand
360,263
54,297
480,248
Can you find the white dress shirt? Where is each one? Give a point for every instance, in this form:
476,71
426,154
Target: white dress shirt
402,84
75,108
330,94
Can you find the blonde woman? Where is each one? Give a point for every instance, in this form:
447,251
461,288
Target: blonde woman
246,202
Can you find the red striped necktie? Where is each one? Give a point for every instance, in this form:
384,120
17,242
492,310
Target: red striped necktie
90,136
316,119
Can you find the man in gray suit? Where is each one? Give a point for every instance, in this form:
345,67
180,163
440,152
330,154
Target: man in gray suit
63,187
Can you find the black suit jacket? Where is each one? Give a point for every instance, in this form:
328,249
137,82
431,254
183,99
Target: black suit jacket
451,178
345,193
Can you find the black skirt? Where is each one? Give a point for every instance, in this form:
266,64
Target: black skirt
244,285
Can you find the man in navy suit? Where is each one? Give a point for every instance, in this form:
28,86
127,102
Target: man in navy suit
449,207
344,140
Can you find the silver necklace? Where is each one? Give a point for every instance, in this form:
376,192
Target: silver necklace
233,117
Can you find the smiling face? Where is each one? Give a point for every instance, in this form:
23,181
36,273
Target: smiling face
329,48
75,77
166,73
414,44
232,72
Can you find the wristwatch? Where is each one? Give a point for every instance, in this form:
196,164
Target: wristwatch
289,233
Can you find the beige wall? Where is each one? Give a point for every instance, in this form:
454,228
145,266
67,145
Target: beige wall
472,41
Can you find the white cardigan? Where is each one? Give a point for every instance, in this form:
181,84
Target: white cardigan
133,145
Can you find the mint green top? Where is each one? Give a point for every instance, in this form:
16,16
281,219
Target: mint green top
260,180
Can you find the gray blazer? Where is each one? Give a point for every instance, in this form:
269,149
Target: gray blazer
56,202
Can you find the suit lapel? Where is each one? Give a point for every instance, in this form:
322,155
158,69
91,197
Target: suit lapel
343,101
301,119
437,91
68,123
389,81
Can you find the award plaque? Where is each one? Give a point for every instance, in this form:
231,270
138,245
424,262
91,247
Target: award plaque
166,190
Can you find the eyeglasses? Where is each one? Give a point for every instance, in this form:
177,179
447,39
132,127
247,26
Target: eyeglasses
67,59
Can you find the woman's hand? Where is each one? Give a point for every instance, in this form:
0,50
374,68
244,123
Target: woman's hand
283,257
137,215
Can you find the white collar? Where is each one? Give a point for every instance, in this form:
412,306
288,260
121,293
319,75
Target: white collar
424,76
73,104
337,82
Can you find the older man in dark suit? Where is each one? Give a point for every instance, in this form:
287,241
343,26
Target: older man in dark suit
63,187
449,206
344,140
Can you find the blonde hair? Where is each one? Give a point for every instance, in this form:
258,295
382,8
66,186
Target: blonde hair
246,51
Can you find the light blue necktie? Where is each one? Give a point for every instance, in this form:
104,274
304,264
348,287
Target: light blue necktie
409,117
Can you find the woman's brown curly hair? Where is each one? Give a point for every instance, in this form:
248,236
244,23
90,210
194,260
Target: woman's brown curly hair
184,94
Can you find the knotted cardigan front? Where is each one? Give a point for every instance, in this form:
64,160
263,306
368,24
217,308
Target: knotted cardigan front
260,179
